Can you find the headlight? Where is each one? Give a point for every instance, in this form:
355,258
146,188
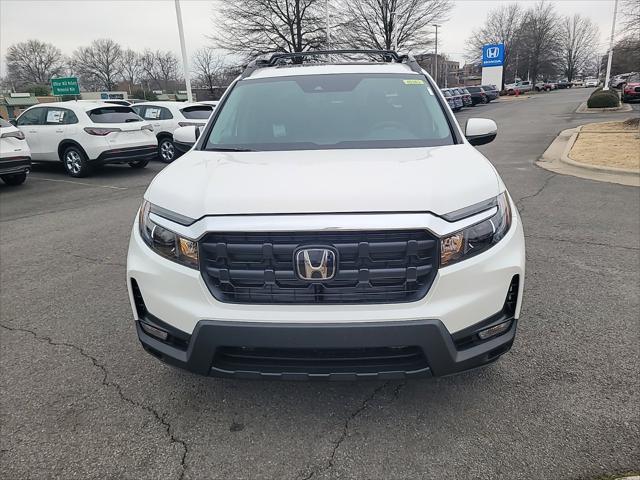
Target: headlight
165,242
477,238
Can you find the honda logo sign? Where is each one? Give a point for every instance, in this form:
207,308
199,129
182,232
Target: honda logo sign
493,55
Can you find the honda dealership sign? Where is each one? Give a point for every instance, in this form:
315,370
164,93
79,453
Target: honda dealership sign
492,61
493,55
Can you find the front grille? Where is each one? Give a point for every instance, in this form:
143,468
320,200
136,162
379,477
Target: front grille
372,267
320,361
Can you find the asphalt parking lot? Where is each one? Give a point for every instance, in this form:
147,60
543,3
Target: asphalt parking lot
81,399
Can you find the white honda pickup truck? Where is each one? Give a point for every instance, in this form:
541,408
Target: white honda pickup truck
331,221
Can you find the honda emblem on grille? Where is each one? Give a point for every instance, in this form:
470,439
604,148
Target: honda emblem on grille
316,263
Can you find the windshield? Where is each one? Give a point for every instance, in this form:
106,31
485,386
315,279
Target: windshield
330,111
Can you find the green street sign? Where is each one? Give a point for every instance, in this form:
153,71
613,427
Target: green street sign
65,86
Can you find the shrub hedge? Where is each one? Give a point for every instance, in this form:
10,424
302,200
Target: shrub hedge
603,99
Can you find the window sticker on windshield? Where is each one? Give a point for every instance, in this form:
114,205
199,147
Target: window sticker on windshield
415,81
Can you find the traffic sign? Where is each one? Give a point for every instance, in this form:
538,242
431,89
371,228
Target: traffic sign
493,55
65,86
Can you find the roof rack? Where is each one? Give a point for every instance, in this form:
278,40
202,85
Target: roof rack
298,57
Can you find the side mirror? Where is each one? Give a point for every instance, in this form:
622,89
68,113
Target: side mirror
185,137
480,131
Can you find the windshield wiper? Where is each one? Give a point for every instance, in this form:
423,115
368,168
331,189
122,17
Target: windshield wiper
229,149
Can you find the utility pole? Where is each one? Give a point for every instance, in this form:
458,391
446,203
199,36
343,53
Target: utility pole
613,29
436,56
183,48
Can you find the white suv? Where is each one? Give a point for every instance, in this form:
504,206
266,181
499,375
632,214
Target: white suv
166,117
15,157
86,134
331,221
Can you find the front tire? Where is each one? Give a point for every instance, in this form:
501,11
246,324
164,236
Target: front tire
75,162
139,163
14,179
166,150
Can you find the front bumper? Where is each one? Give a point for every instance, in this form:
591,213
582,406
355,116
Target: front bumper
378,350
126,155
11,165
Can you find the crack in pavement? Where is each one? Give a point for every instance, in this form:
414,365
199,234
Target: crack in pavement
538,192
581,242
160,418
345,428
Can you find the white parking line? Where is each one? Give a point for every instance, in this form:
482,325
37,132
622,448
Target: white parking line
77,183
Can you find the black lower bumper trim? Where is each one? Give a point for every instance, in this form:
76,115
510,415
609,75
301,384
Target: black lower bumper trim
125,155
383,350
13,165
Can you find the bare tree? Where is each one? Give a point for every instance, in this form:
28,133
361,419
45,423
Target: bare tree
539,38
385,24
630,14
99,64
578,41
131,67
254,27
159,68
502,26
33,63
209,67
167,66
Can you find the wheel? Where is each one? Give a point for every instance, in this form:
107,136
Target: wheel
14,178
166,150
75,162
538,89
485,100
139,163
624,99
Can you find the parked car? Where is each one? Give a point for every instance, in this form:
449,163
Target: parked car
491,91
564,83
619,80
166,116
544,86
591,82
457,99
466,97
631,89
251,257
449,98
84,135
522,86
478,95
15,157
578,82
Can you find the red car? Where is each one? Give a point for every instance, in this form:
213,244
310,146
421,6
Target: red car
631,89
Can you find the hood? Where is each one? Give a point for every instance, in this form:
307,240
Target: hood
435,179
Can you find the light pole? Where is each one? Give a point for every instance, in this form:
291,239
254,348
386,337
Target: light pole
613,29
183,48
436,57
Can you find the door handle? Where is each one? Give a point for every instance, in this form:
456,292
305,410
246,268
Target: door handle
59,131
33,131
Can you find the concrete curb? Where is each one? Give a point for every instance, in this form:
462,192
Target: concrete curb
598,168
624,107
551,160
